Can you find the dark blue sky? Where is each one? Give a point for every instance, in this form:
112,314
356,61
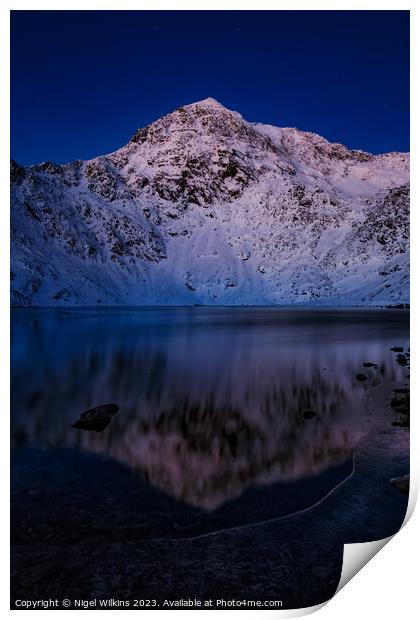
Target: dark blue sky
84,81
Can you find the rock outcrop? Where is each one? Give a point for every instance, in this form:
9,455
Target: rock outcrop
203,207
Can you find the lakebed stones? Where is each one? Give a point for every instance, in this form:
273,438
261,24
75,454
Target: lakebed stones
97,418
403,359
401,405
308,414
402,483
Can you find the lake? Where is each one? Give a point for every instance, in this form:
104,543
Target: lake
244,453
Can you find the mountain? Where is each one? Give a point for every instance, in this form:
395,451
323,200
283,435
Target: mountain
203,207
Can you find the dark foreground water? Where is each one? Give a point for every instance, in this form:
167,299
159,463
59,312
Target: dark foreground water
244,454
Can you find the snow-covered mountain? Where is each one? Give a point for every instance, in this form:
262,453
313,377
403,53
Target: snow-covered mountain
203,207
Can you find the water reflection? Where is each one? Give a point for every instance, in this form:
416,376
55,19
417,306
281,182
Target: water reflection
212,401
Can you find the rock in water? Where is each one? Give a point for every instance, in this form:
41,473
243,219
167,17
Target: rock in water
361,377
308,414
402,484
96,419
397,349
401,405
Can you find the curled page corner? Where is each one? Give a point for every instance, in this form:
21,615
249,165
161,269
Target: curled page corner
356,556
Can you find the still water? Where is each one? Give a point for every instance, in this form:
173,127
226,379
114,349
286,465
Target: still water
228,417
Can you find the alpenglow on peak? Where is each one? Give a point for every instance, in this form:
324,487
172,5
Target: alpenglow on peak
203,207
209,102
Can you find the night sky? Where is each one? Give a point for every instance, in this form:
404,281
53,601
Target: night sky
84,81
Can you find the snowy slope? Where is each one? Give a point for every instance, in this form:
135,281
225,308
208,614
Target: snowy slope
202,207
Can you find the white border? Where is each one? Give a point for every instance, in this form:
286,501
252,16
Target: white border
388,585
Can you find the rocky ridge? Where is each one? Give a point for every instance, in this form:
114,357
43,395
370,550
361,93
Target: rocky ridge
203,207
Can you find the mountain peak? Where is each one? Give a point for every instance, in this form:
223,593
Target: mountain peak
209,102
214,117
203,207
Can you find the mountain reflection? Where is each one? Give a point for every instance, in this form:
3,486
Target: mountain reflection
211,401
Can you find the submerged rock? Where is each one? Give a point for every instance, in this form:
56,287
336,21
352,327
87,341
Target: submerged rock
97,418
403,420
361,377
402,359
308,414
397,349
401,405
370,365
402,484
